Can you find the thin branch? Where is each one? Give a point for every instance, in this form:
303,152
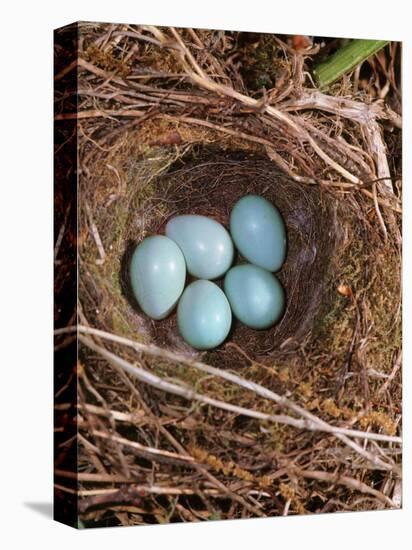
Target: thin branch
206,82
94,231
310,421
350,482
155,351
61,232
396,367
366,115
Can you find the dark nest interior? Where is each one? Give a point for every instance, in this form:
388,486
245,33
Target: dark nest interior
302,418
209,183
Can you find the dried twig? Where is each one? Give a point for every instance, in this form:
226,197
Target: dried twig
61,232
95,233
310,420
338,479
153,350
396,367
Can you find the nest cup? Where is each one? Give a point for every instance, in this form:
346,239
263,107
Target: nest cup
208,182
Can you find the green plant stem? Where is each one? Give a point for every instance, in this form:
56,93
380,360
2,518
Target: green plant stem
346,59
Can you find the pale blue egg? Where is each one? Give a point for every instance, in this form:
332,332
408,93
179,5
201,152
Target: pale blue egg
205,243
259,232
204,316
157,275
255,295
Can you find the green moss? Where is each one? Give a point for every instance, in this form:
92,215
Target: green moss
383,312
262,61
120,218
335,326
121,325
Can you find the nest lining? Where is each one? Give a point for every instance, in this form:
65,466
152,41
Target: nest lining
210,182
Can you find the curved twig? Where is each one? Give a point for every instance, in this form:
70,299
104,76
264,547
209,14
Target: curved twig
310,421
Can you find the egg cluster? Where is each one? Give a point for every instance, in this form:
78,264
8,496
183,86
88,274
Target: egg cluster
204,248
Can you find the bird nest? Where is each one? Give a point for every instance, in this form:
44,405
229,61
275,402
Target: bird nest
209,182
300,418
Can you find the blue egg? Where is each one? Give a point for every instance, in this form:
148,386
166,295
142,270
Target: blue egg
204,316
157,275
205,243
259,232
255,295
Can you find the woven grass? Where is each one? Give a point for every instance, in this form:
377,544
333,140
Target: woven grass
304,417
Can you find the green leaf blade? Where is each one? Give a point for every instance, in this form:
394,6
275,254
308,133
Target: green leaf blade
345,60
